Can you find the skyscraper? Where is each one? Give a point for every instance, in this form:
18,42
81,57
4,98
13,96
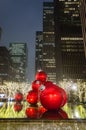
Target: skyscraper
39,47
70,57
5,64
49,64
83,21
18,53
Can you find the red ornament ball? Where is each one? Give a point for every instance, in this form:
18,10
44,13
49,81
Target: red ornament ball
41,75
18,107
31,112
64,95
50,97
18,97
36,84
32,97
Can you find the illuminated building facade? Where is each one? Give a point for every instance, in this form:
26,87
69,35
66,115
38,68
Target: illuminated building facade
70,57
83,21
49,64
5,64
18,53
39,53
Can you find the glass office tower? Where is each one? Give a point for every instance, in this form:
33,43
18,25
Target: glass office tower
49,63
70,56
5,65
39,48
18,53
83,21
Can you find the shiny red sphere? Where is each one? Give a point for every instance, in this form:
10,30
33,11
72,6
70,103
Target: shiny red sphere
36,84
18,97
41,76
32,97
50,97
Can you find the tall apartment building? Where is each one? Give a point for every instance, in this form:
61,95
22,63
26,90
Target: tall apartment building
70,57
18,53
5,65
83,21
49,64
39,53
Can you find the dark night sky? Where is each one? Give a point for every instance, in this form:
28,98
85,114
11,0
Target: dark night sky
20,19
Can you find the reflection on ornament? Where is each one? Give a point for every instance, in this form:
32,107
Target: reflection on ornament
63,114
18,106
31,112
41,110
55,115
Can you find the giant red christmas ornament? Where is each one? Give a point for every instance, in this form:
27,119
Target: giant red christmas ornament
18,97
32,97
41,76
50,97
36,84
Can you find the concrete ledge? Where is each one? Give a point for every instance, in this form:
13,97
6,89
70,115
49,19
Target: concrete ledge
27,124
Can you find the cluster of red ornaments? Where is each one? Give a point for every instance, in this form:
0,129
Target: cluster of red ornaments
51,96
